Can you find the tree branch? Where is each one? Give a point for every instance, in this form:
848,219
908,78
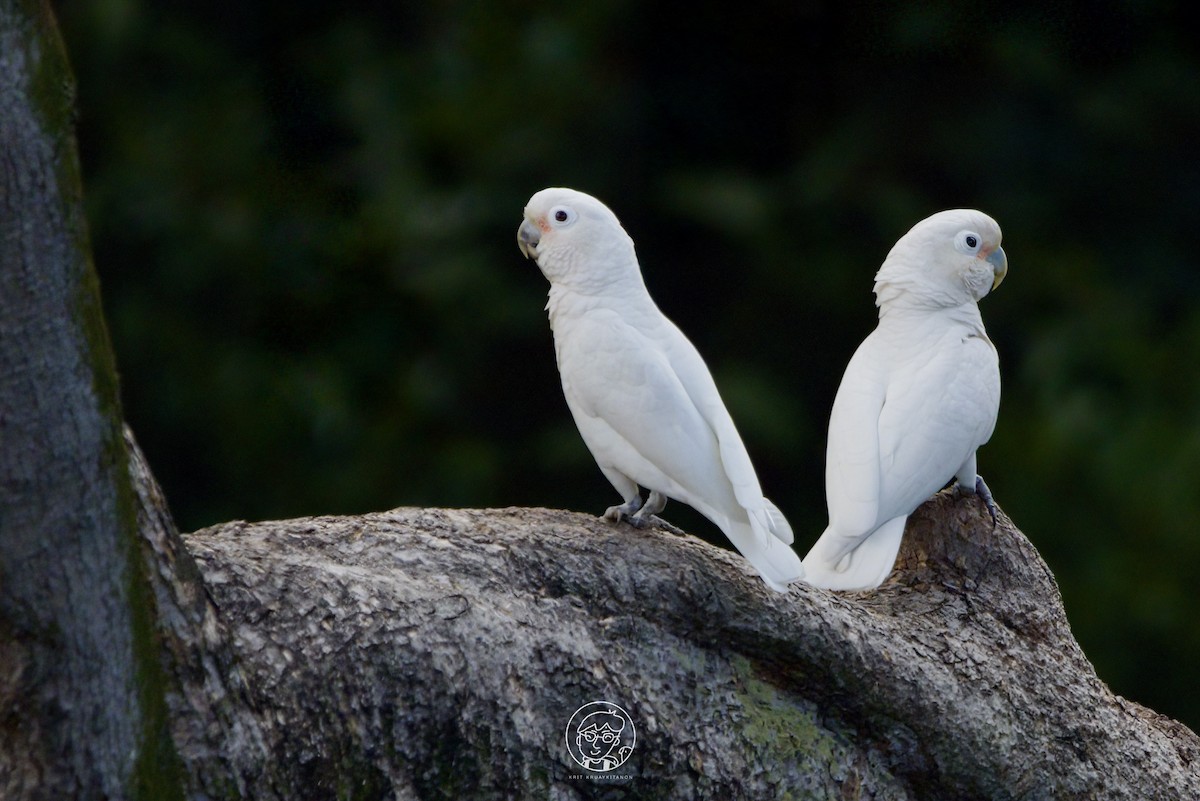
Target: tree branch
440,654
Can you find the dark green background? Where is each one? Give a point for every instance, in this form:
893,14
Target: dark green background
304,220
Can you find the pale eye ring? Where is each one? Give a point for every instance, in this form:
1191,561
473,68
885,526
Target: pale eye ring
562,216
968,242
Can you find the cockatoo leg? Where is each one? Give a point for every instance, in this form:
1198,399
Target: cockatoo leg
647,516
981,488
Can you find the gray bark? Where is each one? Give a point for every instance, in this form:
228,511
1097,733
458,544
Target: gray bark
110,654
429,654
81,712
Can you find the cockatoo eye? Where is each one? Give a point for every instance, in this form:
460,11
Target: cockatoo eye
968,242
562,216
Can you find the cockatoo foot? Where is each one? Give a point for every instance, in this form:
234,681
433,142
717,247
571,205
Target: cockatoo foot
985,495
645,517
626,511
981,488
642,514
654,521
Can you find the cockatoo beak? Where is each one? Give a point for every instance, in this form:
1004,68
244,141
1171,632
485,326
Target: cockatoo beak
528,237
999,262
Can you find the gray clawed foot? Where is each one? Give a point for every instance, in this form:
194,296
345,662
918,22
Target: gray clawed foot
646,516
985,495
626,511
654,521
981,487
642,515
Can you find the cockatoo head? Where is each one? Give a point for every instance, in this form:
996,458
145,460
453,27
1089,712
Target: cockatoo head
948,259
576,240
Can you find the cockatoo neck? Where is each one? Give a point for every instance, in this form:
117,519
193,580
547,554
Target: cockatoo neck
628,297
900,313
904,290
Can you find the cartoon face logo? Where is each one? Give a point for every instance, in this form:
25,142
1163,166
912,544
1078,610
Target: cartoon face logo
600,736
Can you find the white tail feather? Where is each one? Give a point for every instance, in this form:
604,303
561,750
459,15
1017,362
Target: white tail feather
775,561
863,568
778,525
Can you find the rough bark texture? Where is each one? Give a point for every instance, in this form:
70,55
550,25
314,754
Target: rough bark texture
219,736
428,654
81,710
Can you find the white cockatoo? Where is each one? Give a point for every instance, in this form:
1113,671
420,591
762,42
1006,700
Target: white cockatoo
919,396
640,393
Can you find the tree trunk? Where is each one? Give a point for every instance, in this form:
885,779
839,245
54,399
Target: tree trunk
112,662
81,692
430,654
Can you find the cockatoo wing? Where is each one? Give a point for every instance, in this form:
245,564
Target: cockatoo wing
697,381
638,417
852,467
937,413
897,435
635,415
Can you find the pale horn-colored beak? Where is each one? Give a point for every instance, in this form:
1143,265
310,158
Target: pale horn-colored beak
528,237
999,262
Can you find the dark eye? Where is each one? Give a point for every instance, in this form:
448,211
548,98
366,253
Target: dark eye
562,215
968,242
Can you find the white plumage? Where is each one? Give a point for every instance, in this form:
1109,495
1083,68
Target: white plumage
919,396
641,395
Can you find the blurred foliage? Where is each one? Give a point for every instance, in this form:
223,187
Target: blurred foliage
304,218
